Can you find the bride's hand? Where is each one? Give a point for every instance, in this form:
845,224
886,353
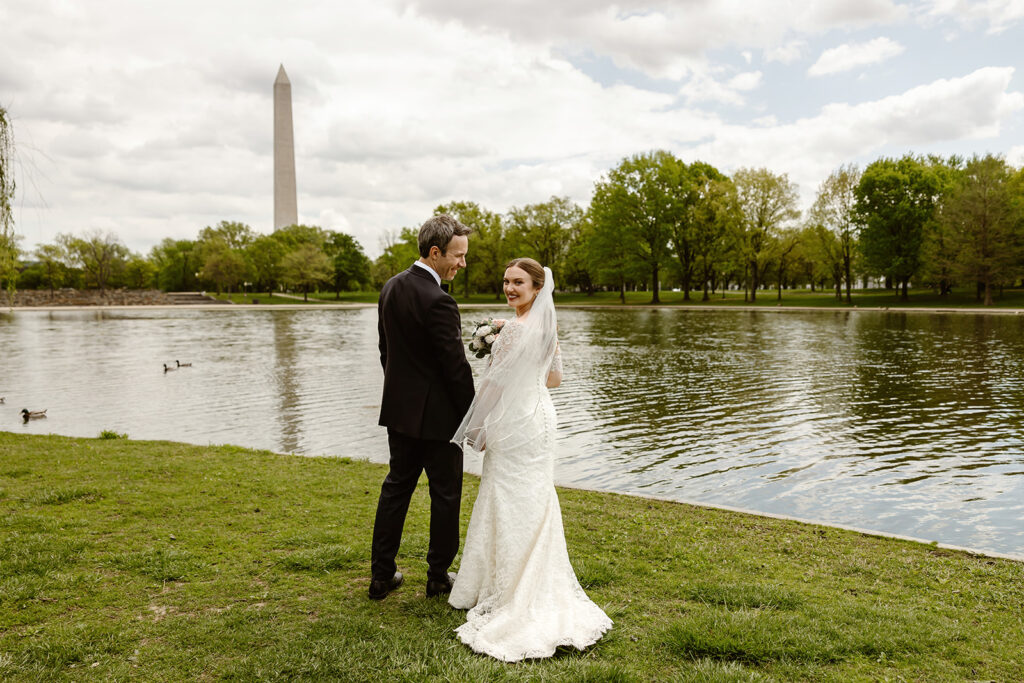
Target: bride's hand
499,322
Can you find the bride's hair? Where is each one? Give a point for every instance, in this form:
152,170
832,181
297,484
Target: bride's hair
532,268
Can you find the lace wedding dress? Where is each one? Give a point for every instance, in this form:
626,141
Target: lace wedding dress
515,577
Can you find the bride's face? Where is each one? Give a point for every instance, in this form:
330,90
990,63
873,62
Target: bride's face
518,287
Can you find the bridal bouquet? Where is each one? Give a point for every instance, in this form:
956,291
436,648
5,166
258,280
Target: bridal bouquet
484,335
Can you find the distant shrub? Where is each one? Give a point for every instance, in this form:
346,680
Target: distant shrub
111,434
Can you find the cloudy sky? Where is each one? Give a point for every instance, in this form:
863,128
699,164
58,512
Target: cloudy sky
154,119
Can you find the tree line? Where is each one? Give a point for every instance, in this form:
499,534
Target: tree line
227,257
654,221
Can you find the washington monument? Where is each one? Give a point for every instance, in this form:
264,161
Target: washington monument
286,211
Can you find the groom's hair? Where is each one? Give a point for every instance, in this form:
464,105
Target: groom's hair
438,232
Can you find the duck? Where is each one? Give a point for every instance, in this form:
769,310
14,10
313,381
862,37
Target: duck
32,414
183,365
168,368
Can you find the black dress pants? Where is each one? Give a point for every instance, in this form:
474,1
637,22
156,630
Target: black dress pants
442,461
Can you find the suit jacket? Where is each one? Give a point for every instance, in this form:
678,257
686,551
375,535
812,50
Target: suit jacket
428,384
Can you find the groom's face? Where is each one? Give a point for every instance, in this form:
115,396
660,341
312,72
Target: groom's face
448,263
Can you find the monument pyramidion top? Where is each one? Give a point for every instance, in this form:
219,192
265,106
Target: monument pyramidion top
282,77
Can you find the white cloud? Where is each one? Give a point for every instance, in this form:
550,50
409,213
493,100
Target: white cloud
393,115
998,15
397,110
747,80
666,39
786,53
705,88
972,107
853,55
1016,156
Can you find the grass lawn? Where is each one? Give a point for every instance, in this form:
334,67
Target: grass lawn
163,561
873,298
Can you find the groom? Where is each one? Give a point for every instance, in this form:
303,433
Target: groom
428,386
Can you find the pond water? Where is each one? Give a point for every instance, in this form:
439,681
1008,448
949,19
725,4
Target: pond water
906,423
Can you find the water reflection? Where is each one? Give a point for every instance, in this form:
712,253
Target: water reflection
285,382
899,422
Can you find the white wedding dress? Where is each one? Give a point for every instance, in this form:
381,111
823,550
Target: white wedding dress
515,577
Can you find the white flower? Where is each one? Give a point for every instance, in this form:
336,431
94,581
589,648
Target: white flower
489,339
473,345
483,331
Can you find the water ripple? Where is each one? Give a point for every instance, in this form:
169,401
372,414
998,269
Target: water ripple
903,423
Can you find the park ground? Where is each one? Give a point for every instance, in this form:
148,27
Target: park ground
162,561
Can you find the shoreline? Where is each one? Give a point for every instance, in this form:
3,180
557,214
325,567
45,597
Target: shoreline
1013,557
812,522
934,310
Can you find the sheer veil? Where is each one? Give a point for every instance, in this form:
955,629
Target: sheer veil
508,395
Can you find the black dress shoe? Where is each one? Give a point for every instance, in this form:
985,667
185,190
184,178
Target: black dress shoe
379,588
437,587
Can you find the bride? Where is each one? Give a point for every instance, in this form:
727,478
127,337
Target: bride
515,577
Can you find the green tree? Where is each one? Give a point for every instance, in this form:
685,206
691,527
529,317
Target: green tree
232,233
223,266
293,236
938,246
826,251
264,256
834,211
984,222
784,249
101,255
223,253
576,271
895,201
701,206
544,231
808,265
487,255
351,266
8,240
631,204
177,265
52,258
767,204
681,197
398,254
609,254
139,272
306,267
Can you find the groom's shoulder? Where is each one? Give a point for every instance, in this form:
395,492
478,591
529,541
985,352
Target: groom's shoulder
411,283
398,279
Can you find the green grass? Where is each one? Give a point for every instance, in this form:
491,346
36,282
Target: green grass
873,298
161,561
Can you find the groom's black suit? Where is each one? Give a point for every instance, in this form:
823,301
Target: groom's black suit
428,386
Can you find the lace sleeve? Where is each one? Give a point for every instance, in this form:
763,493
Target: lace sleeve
556,362
510,332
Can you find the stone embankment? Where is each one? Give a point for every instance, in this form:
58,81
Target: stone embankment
111,297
